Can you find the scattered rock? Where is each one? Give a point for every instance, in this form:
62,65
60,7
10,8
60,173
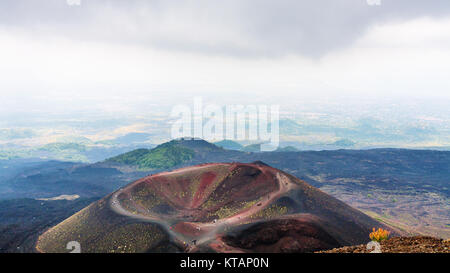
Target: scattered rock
417,244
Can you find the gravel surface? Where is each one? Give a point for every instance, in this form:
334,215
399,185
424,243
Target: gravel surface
418,244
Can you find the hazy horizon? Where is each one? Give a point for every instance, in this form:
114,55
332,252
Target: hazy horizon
107,68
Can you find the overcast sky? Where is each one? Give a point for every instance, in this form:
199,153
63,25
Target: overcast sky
112,55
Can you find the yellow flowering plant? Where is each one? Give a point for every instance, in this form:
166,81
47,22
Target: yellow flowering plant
379,235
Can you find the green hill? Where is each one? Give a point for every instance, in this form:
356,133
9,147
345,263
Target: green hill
252,148
164,156
58,147
229,145
344,143
287,149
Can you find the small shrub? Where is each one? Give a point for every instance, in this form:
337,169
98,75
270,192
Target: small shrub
379,235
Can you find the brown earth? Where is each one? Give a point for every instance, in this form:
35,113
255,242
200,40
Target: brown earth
416,244
282,235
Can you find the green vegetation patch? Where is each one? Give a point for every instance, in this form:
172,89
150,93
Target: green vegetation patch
164,156
146,198
232,209
130,238
270,212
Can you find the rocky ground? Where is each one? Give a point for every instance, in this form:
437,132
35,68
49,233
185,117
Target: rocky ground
417,244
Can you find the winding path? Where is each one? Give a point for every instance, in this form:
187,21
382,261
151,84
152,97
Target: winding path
208,231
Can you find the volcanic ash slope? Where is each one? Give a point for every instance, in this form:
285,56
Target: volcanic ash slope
220,207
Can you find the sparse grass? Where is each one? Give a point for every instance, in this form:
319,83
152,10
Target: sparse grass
270,212
232,209
99,230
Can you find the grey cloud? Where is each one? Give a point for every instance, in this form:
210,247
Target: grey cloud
240,28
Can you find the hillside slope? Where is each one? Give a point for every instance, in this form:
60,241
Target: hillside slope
164,156
219,207
416,244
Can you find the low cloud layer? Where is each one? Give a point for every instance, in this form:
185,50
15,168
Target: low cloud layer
119,57
241,28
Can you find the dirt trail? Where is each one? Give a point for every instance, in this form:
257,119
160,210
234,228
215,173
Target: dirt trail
285,185
207,231
116,207
196,167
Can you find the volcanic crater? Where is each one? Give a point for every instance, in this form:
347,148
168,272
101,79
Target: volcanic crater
215,207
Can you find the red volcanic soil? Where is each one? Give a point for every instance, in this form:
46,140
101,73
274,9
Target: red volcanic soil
205,181
223,207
